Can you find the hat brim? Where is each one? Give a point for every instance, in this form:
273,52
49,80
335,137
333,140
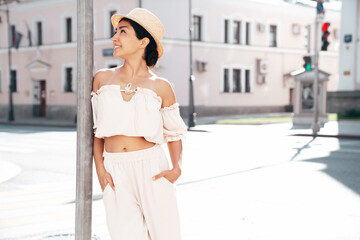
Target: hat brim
117,17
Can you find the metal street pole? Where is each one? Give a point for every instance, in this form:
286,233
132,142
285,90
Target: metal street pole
11,80
192,113
84,172
319,17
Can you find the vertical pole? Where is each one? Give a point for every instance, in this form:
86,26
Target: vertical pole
11,80
192,113
315,125
308,38
85,55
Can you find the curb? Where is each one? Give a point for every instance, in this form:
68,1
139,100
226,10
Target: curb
344,136
49,124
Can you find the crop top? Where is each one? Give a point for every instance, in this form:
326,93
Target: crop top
142,115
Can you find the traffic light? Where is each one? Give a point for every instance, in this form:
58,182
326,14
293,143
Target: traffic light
307,64
324,38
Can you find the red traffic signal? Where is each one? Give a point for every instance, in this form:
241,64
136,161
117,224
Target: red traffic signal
325,26
324,38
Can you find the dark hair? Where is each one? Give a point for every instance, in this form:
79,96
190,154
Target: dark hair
151,53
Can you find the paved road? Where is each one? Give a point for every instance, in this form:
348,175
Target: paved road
238,182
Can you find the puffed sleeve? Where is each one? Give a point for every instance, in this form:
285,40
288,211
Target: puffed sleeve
94,109
174,126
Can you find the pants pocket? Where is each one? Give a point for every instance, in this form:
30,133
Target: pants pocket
106,188
167,181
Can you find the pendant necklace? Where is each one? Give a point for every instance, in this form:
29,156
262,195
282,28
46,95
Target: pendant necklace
128,89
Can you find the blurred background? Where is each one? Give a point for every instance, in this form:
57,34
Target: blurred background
253,169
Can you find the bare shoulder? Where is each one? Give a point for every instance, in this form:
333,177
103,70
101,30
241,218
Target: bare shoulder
99,76
165,91
162,84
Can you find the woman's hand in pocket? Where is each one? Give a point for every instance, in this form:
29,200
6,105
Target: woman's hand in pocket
171,175
105,179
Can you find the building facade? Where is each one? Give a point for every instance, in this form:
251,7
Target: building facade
349,57
242,53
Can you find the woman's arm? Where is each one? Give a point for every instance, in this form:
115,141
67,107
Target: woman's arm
98,147
175,151
167,94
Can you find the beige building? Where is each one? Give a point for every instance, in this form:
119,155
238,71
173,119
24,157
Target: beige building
243,51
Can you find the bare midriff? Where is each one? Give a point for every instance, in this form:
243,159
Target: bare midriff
121,143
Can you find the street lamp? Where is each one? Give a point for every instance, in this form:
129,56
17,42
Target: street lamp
192,114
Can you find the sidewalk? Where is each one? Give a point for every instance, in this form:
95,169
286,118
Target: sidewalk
340,129
40,122
256,180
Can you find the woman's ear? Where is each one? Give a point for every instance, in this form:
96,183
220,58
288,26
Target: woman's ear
144,42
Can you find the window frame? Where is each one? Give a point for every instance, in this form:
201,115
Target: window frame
226,32
245,84
197,35
239,31
273,35
68,32
112,29
39,33
64,66
12,35
15,80
112,6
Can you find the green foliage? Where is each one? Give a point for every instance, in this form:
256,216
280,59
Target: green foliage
350,114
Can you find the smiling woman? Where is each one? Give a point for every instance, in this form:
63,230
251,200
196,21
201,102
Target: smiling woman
134,112
151,53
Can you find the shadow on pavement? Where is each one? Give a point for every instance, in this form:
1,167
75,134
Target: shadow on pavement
343,164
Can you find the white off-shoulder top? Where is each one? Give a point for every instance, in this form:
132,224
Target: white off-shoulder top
142,115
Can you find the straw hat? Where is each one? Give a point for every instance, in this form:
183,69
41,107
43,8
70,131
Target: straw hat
148,21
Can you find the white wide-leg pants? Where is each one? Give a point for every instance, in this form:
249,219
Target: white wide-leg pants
140,208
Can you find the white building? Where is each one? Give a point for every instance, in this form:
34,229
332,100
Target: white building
242,52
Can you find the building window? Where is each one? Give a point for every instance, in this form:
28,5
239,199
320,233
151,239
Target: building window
226,80
237,32
236,80
273,30
13,80
247,34
39,33
68,79
13,36
197,28
247,80
68,30
112,30
226,28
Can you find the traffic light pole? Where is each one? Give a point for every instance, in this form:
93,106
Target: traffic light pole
315,125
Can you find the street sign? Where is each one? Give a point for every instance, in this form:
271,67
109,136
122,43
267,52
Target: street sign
320,8
107,52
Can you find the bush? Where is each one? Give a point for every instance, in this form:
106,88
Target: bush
350,114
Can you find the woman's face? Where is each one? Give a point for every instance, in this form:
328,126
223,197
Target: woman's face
125,42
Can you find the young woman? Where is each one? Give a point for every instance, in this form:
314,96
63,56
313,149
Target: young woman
134,112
